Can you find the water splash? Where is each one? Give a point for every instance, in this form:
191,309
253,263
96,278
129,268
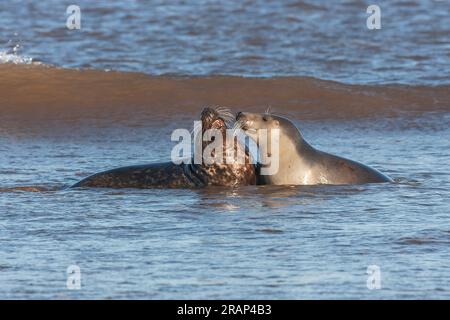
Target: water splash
13,56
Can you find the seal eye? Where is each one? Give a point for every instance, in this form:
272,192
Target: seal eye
265,118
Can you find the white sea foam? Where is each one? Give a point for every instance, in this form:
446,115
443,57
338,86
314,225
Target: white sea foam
12,56
6,57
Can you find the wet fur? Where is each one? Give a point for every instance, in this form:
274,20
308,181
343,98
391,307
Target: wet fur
302,164
185,175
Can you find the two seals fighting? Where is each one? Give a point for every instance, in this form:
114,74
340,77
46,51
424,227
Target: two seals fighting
299,162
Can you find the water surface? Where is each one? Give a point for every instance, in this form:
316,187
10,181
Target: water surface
111,93
322,39
249,242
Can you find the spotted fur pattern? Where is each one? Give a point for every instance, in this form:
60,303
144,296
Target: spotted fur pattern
170,175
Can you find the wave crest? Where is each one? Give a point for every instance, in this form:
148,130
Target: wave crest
13,56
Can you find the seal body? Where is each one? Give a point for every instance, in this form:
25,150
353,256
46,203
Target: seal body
187,174
170,175
163,175
299,162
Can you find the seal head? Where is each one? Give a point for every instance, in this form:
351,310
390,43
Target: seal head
299,162
187,174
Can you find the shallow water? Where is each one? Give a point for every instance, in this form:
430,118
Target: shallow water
60,122
249,242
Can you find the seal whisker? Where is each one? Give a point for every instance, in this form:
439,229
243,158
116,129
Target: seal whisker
185,173
197,128
225,114
238,125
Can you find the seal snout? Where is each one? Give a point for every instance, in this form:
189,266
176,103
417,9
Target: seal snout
242,120
242,116
213,118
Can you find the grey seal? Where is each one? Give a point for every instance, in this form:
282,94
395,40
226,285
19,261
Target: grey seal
187,174
299,163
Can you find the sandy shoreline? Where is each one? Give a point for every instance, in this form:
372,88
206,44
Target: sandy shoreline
43,92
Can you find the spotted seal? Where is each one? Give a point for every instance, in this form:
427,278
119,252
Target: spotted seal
188,174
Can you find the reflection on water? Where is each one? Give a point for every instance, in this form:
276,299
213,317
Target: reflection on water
322,39
230,200
246,242
30,189
58,125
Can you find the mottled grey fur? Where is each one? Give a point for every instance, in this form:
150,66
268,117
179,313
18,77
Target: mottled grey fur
185,175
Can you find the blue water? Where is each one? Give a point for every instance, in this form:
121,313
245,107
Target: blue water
322,39
256,242
250,242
